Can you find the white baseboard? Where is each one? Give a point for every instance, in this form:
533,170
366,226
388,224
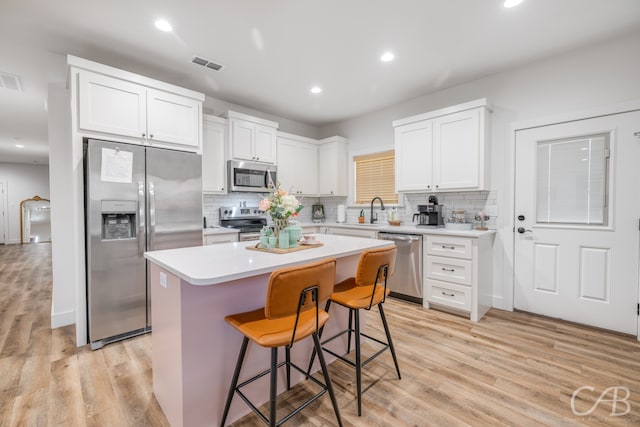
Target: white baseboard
66,318
499,303
13,242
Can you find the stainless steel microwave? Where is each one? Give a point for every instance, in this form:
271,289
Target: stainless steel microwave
251,177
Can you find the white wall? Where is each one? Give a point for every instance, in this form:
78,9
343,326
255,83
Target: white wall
601,75
23,182
63,263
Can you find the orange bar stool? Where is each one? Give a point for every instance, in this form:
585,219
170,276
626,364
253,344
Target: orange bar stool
367,289
290,314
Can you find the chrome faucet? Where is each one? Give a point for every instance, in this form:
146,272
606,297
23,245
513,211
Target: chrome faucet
372,217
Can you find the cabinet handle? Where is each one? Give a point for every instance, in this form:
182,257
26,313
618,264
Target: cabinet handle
428,186
447,294
151,136
144,134
222,189
436,186
257,158
448,247
448,269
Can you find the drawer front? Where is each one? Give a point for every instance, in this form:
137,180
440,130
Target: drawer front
449,269
449,294
456,247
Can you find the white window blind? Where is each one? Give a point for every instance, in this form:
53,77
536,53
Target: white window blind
375,175
572,181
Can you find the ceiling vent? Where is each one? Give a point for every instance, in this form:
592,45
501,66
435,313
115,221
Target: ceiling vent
10,81
206,63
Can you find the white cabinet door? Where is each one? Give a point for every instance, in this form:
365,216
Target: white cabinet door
173,119
298,166
264,146
457,140
307,166
413,151
111,105
332,168
213,159
242,139
287,164
252,141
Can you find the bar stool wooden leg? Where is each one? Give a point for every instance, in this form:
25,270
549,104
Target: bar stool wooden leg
356,315
386,331
234,381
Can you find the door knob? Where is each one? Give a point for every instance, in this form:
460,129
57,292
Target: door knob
522,230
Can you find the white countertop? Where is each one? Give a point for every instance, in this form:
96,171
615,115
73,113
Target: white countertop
213,264
219,230
402,228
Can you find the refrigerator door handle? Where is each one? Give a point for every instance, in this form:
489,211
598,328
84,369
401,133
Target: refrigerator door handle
141,219
152,215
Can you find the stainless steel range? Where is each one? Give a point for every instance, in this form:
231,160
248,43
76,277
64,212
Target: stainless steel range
248,219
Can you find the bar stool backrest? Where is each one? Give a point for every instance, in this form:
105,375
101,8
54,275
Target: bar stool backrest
370,262
287,284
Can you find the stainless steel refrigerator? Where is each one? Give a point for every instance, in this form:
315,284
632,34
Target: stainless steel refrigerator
136,199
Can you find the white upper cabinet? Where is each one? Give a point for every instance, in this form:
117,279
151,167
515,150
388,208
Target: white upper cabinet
252,138
112,106
298,164
332,167
413,149
150,116
214,139
444,150
458,152
172,118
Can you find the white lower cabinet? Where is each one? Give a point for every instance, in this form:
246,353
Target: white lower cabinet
457,274
214,239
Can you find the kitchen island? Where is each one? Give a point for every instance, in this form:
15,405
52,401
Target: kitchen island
194,350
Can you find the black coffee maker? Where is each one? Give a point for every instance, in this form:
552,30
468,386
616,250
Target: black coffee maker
429,215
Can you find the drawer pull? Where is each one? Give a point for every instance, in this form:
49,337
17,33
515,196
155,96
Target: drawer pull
448,269
447,294
448,247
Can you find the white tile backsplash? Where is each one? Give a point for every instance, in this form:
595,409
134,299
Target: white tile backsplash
471,201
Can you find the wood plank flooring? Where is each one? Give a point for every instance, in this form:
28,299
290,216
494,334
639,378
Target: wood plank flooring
508,369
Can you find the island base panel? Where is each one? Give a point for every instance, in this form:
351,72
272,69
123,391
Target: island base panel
194,350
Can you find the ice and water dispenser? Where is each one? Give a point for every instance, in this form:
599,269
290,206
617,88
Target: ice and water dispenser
119,219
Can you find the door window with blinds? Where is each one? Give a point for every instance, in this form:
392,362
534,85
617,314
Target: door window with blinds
375,176
572,181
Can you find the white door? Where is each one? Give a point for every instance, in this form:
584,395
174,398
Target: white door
577,210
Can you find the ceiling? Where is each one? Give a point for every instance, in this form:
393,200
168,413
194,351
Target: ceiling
274,51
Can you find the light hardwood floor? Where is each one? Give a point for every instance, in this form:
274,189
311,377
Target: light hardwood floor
508,369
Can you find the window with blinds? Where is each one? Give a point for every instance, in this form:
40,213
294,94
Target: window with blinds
375,176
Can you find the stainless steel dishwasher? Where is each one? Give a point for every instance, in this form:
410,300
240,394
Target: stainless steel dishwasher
406,282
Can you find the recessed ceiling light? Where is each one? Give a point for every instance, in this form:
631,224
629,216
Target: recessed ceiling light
19,145
512,3
316,89
387,56
163,25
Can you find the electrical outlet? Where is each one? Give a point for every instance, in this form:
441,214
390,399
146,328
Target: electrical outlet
163,279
